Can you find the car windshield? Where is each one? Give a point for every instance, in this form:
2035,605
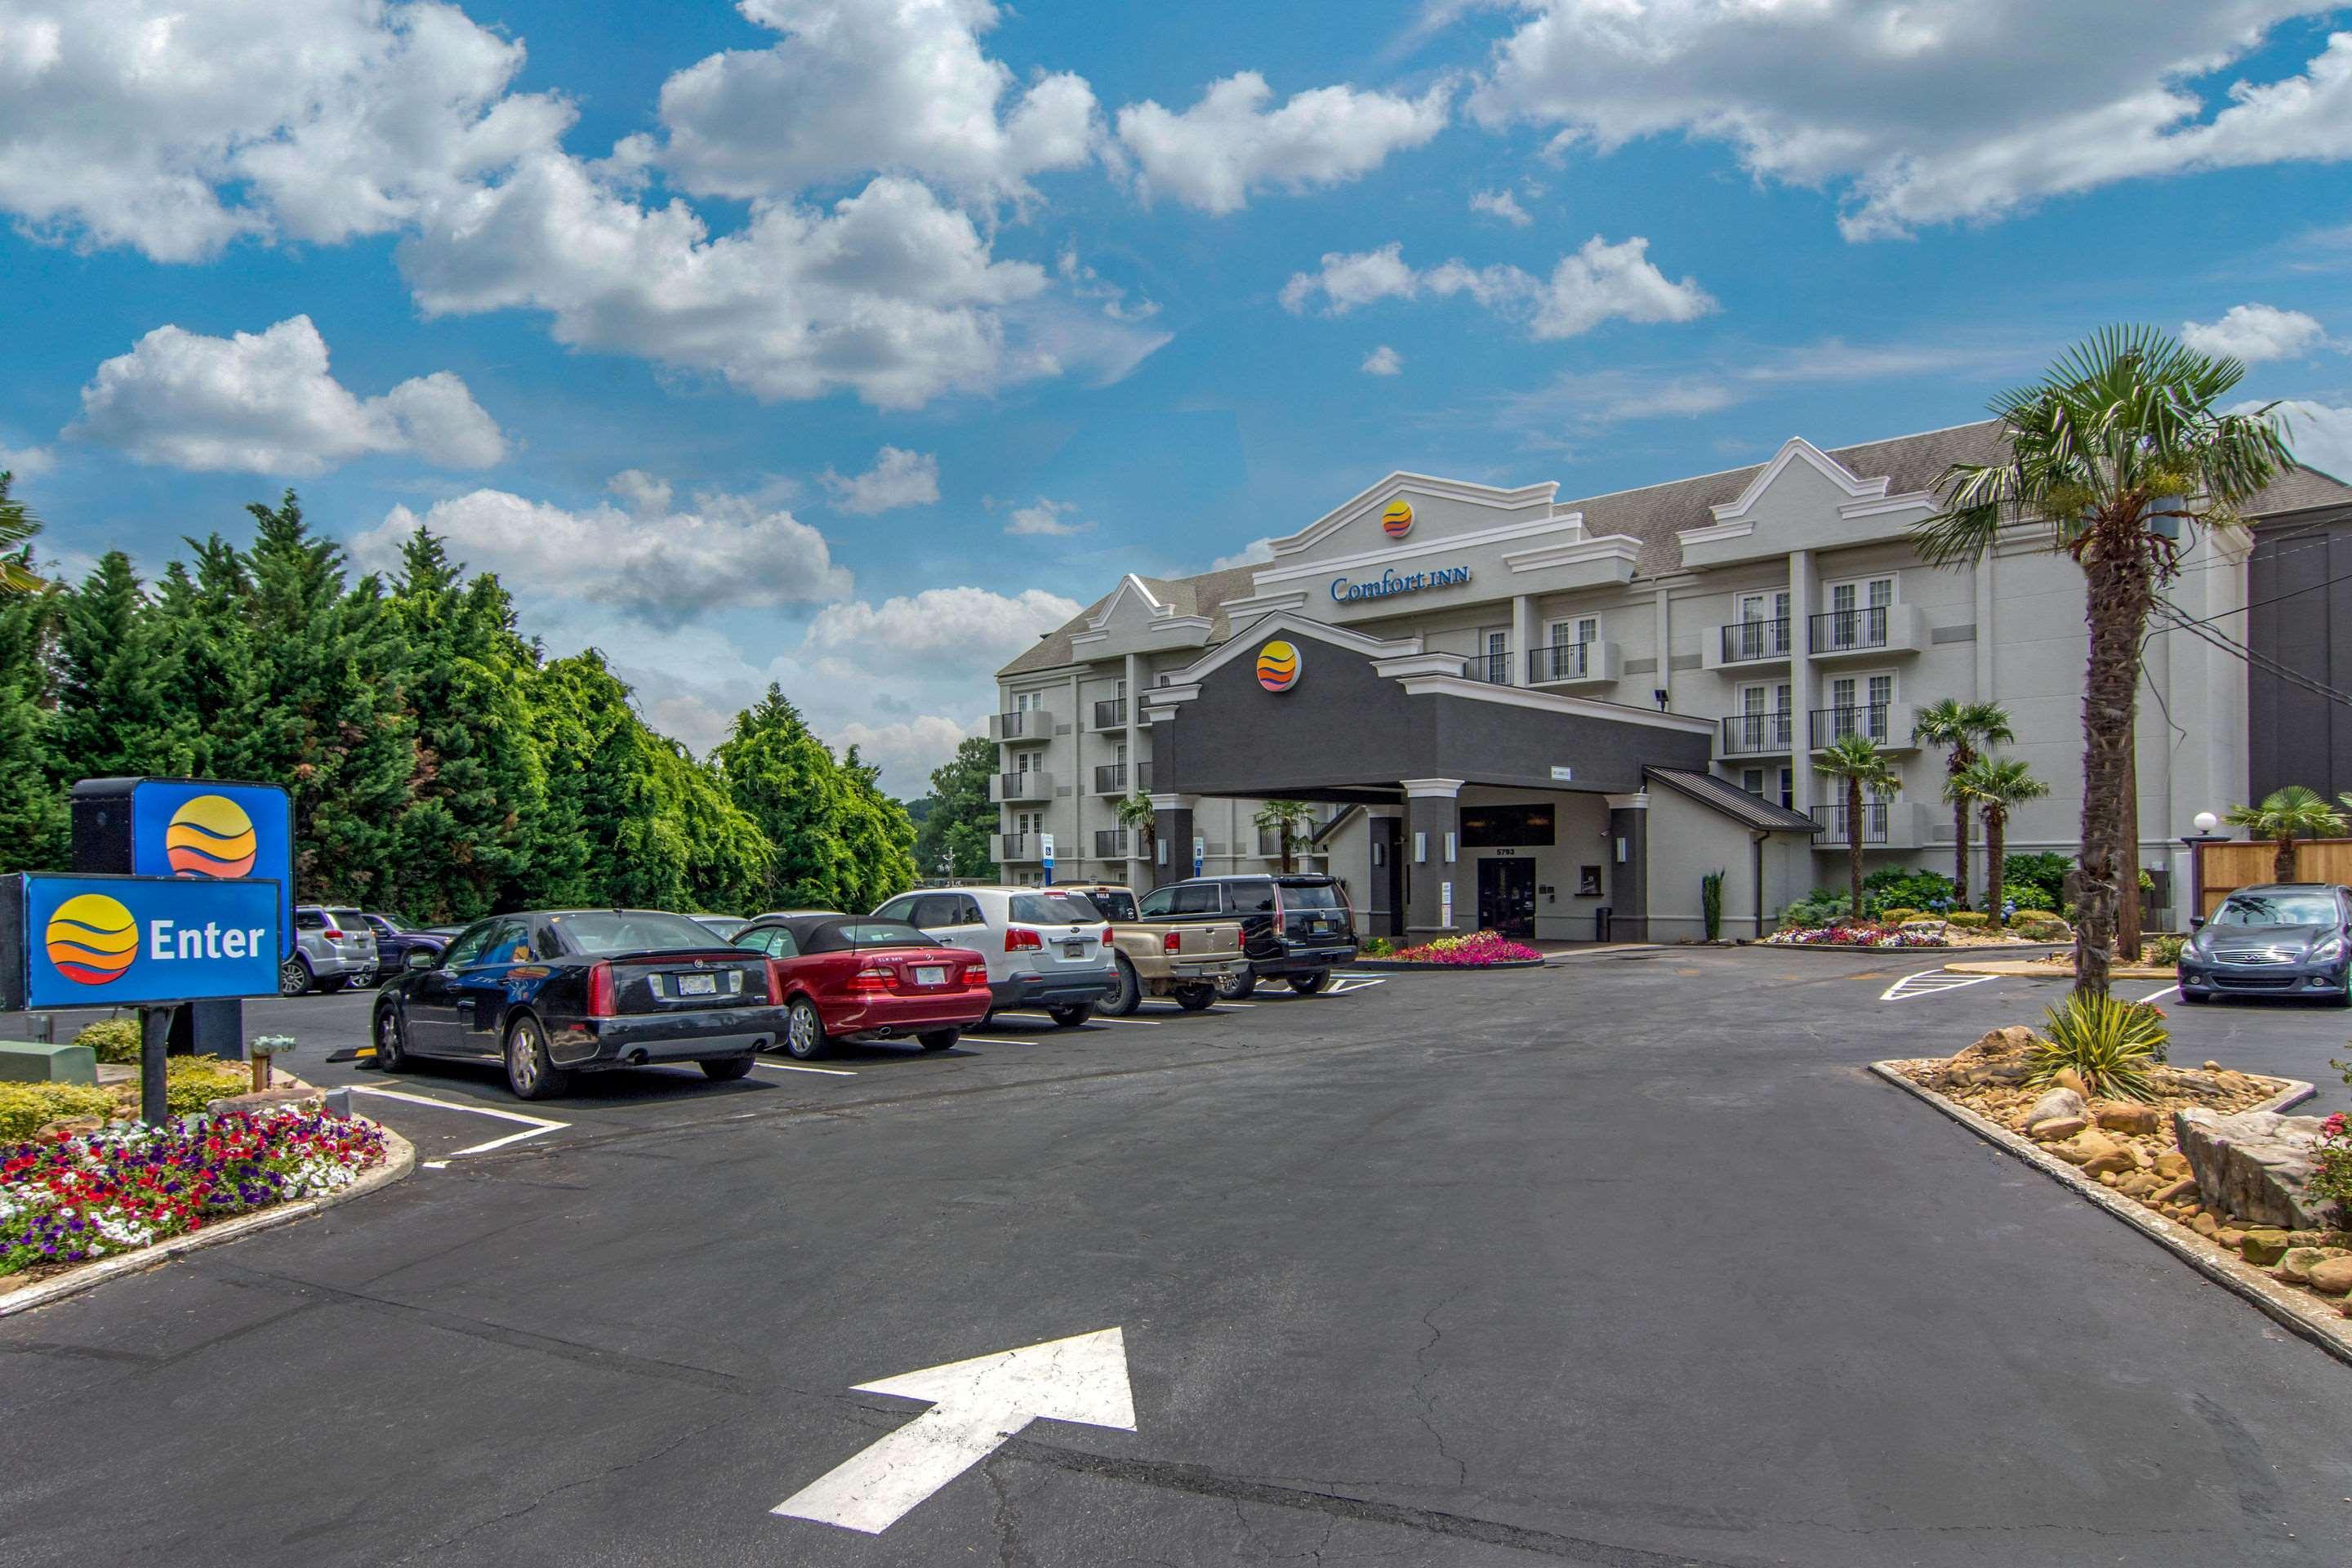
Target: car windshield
1053,910
347,919
1116,904
632,931
1309,895
840,936
392,924
725,926
2312,908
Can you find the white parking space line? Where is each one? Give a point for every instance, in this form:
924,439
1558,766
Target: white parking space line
536,1124
1345,984
1930,983
999,1039
791,1066
2155,995
1146,1022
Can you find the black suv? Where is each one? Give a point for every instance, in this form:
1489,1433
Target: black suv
1297,927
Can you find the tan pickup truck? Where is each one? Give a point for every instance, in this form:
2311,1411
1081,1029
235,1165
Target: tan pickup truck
1164,958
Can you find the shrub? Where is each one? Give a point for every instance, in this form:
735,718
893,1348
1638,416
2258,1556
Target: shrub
1817,908
2040,931
1969,919
2029,897
1710,903
26,1107
1376,947
2045,872
114,1040
1895,887
2166,949
1896,917
2110,1043
1477,951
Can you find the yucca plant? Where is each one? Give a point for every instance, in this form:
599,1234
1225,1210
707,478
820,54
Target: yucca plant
2110,1043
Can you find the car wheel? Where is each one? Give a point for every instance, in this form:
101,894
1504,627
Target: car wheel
1308,985
530,1073
293,978
804,1031
391,1049
1235,987
1071,1017
938,1039
1196,999
725,1069
1130,995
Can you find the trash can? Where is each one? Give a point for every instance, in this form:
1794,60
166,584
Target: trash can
1600,924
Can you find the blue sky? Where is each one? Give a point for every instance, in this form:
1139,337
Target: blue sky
851,342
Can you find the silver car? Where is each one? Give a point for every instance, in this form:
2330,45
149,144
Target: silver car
332,948
1045,948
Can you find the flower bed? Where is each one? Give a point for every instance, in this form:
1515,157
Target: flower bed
1853,936
1479,950
77,1196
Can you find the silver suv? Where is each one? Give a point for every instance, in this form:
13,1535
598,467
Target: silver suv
1045,948
332,948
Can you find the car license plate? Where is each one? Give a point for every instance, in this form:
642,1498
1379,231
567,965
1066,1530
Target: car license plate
929,974
1073,950
697,984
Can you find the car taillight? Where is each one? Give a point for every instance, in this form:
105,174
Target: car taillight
600,992
975,974
1106,936
775,987
869,983
1017,941
1172,943
332,934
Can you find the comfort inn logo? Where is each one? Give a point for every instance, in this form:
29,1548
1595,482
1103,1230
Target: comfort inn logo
92,938
210,835
1277,665
1397,521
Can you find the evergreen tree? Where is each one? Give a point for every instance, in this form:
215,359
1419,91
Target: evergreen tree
787,782
203,649
111,722
879,835
953,835
33,819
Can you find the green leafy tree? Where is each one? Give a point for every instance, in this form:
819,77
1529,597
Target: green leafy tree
1995,787
2284,815
1141,817
1855,760
2120,452
32,809
952,837
1288,820
111,720
880,836
1960,728
17,526
787,782
202,641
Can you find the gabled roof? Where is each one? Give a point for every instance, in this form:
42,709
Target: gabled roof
1732,801
1202,595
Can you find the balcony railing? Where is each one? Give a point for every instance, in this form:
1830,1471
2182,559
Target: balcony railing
1024,724
1110,778
1745,642
1036,785
1560,661
1012,848
1850,631
1494,669
1143,775
1758,734
1831,725
1112,714
1833,822
1110,843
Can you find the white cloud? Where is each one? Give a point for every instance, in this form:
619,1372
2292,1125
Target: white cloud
26,461
266,403
641,493
1046,520
2256,332
2320,437
1383,361
907,750
1214,154
1598,283
1502,205
176,128
1932,112
958,624
899,478
862,85
1256,552
725,552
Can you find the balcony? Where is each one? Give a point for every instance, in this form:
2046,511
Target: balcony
1748,645
1110,843
1036,785
1832,818
1494,668
1768,734
1028,726
1111,714
1574,664
1014,848
1886,723
1873,630
1110,778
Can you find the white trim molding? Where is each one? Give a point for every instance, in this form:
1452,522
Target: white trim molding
1388,488
1431,789
1638,801
1556,703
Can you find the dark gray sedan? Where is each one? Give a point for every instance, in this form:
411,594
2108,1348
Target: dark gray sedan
2286,939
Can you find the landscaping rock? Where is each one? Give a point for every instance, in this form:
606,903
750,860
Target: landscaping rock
2173,1166
2230,1236
2058,1102
265,1102
2332,1277
2057,1129
2263,1246
2067,1078
2172,1192
2123,1117
2256,1163
2295,1265
2205,1225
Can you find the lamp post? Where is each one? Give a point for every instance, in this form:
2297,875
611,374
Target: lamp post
2206,824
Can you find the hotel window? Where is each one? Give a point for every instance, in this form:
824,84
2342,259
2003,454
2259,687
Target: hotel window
1768,783
1568,649
1857,614
1763,622
1029,702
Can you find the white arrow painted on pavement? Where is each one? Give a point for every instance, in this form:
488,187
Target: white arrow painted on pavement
976,1407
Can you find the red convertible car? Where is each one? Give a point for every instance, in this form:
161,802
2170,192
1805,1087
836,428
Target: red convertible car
852,978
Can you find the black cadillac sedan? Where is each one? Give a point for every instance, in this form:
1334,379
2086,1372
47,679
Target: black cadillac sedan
559,992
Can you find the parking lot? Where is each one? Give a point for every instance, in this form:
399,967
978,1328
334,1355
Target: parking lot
1623,1262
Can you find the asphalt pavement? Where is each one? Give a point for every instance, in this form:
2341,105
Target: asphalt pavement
1626,1261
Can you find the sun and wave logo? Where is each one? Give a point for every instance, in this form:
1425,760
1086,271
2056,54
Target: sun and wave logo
92,938
1277,665
210,835
1397,521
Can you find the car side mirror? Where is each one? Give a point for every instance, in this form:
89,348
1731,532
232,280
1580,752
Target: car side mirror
2196,922
418,958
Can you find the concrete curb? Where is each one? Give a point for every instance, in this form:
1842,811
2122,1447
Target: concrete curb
399,1160
2019,966
2291,1309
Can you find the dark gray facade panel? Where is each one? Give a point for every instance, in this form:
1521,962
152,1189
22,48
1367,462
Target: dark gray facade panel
1641,667
1682,662
2299,594
1941,635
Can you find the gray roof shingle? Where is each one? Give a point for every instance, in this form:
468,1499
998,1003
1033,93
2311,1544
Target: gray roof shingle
1732,801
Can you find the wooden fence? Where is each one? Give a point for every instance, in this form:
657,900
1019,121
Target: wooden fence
2223,866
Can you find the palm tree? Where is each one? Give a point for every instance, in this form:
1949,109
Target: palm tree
1856,759
17,526
2284,815
1139,817
2119,452
1288,818
1995,787
1960,728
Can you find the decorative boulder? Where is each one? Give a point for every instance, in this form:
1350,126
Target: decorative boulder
2256,1163
2058,1102
2331,1277
2056,1129
2126,1117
